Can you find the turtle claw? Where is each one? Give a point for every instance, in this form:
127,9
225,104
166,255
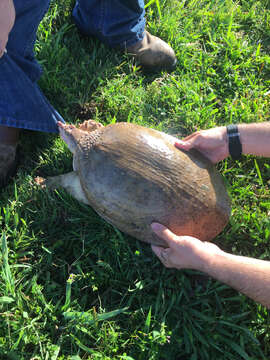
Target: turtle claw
48,183
40,181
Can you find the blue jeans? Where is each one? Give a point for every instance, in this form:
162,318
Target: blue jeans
119,23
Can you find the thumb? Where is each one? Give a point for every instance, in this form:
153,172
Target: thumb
164,233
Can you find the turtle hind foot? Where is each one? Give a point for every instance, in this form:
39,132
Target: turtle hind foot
70,182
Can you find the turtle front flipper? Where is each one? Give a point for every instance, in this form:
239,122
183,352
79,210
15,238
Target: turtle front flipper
70,182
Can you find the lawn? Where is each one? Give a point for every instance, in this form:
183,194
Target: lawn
72,286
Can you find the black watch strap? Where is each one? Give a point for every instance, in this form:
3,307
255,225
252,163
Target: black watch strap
235,146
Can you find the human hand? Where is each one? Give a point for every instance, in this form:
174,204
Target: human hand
184,252
212,143
7,19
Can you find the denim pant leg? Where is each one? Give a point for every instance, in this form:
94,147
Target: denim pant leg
22,104
22,37
118,23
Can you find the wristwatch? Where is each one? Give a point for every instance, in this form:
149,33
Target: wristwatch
235,146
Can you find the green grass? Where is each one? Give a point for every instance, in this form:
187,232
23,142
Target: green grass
73,287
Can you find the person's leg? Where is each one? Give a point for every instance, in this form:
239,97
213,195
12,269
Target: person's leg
22,37
121,24
118,23
22,105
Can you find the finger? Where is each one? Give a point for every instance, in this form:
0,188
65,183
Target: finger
183,145
157,250
60,124
190,136
162,254
3,44
164,233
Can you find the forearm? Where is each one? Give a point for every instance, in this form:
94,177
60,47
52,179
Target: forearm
214,143
255,138
4,3
7,18
249,276
6,7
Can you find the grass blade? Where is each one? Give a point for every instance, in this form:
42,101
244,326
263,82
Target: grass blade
7,275
90,319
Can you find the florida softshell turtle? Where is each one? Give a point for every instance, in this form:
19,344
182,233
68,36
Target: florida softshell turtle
133,176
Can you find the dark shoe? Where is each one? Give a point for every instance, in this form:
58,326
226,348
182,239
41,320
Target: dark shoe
8,153
153,53
8,162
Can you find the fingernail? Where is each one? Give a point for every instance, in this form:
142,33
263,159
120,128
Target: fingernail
156,227
180,143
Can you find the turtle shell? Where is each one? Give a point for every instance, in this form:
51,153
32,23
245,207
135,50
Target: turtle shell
133,176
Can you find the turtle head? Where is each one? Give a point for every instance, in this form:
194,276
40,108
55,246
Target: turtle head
71,135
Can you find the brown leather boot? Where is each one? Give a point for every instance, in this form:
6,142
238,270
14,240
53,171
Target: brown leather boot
153,53
8,151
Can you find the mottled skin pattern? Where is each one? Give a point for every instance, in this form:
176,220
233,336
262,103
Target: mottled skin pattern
133,176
